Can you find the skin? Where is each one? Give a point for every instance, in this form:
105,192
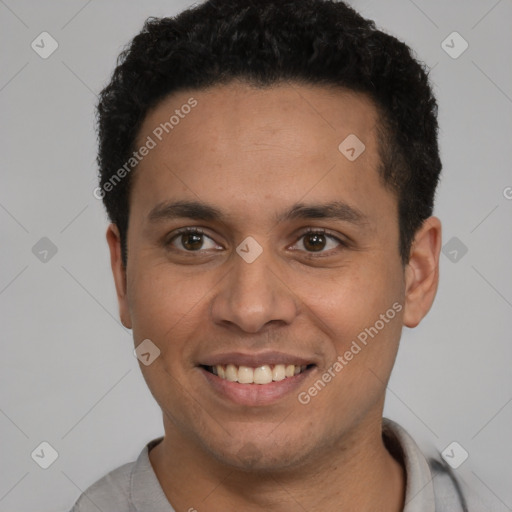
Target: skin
254,153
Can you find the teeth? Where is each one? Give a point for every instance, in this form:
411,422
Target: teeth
261,375
290,370
245,375
231,372
278,372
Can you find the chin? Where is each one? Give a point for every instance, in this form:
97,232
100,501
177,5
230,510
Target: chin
265,456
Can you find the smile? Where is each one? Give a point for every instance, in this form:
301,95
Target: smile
257,379
263,374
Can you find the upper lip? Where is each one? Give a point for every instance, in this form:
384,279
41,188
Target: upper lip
255,360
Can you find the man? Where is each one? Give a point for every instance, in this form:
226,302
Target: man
269,168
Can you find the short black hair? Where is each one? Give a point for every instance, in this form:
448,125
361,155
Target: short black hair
265,43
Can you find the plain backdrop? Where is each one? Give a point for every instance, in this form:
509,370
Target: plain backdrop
68,376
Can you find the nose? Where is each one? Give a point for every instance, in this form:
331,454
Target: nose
254,295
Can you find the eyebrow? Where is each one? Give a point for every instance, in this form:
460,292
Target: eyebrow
337,210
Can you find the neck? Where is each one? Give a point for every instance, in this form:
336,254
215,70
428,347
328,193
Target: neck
357,474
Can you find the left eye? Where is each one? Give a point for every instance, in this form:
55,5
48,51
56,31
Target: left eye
316,241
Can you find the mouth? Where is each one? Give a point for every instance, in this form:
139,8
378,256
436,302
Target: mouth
262,374
255,380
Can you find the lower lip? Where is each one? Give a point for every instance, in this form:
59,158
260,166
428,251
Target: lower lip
255,394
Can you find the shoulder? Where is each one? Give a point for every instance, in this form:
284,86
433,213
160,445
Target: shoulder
431,484
111,492
450,493
452,490
128,488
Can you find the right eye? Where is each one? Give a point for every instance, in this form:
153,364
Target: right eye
191,239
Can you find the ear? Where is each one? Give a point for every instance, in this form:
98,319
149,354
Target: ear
119,273
422,272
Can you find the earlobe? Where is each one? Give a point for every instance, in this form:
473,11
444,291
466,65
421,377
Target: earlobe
422,272
119,273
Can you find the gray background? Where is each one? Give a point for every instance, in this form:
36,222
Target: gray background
67,372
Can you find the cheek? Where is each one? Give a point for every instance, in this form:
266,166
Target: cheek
351,298
165,308
360,311
163,303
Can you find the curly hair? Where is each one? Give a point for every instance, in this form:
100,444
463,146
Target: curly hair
267,42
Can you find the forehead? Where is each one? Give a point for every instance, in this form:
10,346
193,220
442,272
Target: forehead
239,113
239,141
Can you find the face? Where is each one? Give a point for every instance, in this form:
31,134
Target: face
281,257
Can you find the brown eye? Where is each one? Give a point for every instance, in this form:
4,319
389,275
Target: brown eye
190,240
318,240
314,241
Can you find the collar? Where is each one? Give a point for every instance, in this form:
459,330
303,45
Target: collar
146,493
419,489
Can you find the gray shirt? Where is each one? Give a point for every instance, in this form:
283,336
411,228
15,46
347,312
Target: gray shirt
134,487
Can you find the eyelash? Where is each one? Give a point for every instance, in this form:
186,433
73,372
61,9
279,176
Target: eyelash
309,231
